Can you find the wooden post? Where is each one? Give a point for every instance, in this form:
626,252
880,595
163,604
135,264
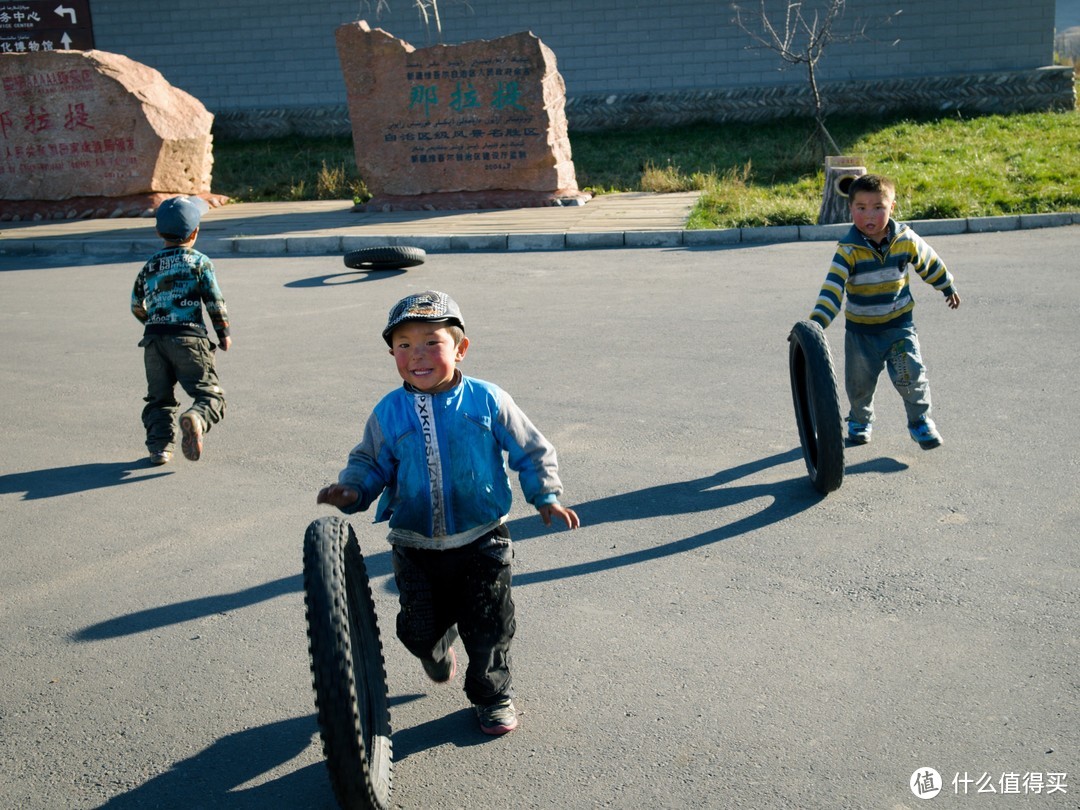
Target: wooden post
839,172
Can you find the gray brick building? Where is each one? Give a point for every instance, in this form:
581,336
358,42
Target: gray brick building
269,67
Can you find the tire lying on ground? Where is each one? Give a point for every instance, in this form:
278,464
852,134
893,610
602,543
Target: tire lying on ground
817,405
387,257
347,667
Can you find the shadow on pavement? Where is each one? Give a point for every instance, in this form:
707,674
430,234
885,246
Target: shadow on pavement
702,494
214,776
685,497
878,465
77,478
154,618
788,497
336,279
22,262
459,729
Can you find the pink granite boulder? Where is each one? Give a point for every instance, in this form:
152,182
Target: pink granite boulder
476,125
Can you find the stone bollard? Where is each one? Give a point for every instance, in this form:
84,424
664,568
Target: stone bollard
840,171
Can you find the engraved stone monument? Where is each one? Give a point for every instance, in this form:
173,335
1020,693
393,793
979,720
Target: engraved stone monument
476,125
91,133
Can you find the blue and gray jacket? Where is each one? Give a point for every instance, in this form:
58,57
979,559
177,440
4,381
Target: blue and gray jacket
437,461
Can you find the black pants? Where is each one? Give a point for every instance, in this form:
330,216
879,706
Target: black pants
467,587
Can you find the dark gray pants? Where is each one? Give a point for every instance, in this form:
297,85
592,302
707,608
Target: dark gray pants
189,361
467,587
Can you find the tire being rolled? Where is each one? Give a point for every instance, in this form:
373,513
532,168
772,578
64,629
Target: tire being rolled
817,405
347,667
386,257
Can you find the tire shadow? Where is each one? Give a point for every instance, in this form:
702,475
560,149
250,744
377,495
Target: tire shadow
214,777
340,279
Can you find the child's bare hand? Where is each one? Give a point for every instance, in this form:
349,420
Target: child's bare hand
225,343
337,495
953,301
568,516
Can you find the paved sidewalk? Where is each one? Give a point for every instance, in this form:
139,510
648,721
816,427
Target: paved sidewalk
331,227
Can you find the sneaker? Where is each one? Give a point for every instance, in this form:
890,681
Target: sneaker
925,433
159,457
858,433
192,427
498,718
441,671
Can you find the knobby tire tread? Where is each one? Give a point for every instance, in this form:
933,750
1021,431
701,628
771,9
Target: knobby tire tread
347,667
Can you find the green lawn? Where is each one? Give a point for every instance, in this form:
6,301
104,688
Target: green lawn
749,174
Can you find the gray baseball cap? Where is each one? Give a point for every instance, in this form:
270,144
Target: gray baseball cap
178,217
432,306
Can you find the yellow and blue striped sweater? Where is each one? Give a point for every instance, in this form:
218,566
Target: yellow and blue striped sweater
875,280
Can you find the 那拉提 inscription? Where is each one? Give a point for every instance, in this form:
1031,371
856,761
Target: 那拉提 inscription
481,124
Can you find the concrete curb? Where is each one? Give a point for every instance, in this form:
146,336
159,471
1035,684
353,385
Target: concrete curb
329,244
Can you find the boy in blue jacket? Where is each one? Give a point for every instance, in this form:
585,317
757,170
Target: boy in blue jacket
870,268
433,450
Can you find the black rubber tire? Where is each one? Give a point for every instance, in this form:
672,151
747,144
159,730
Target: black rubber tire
387,257
347,667
817,405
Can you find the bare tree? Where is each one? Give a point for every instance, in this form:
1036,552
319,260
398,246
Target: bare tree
427,9
802,40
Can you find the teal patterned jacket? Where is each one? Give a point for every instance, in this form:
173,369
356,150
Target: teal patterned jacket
171,290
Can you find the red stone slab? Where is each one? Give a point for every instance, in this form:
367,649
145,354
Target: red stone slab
461,125
97,124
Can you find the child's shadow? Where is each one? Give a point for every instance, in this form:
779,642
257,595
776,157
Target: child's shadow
458,729
77,478
788,498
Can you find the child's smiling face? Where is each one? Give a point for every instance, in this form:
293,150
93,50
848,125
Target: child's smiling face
426,355
870,212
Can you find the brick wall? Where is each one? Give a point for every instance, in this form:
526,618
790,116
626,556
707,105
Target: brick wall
272,55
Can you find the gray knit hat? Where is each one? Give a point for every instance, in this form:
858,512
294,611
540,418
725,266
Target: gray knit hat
431,306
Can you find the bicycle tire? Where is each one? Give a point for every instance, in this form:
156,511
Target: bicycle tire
347,667
385,257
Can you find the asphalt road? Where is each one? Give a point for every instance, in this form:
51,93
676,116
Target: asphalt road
715,635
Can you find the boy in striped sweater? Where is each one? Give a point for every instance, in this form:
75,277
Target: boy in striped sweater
871,268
